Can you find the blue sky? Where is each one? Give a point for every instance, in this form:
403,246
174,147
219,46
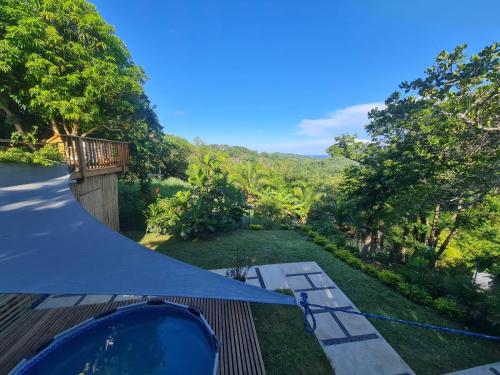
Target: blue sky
285,75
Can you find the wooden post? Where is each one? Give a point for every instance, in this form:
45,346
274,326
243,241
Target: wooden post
81,157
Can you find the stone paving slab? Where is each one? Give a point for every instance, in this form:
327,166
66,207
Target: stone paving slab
491,369
351,342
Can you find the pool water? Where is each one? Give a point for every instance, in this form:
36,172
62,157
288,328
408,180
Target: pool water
153,340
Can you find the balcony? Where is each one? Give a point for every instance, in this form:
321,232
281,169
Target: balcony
88,157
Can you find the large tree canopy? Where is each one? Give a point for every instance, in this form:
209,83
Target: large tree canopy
64,71
434,156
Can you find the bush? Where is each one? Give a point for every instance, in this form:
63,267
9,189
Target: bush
211,205
354,262
414,293
390,278
342,254
371,270
312,234
268,211
47,155
448,308
320,240
331,248
340,240
256,227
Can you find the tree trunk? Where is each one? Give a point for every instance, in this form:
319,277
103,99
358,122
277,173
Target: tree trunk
367,242
54,126
449,237
376,241
434,234
17,124
398,253
446,242
423,233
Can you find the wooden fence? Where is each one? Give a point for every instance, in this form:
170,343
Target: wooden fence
92,156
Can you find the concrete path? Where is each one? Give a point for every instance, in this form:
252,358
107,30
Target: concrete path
491,369
350,342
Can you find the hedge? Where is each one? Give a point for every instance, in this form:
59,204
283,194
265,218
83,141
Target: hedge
445,306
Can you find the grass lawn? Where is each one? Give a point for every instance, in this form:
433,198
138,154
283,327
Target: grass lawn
288,348
427,352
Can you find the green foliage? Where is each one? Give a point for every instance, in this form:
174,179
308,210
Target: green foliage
414,293
47,155
348,146
371,270
256,227
320,240
212,204
330,247
269,212
390,278
64,70
448,308
175,156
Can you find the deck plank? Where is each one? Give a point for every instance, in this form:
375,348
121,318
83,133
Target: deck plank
231,320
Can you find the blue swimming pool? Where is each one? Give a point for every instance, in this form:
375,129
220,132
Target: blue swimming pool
156,339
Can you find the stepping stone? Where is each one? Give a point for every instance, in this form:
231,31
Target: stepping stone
93,299
59,300
491,369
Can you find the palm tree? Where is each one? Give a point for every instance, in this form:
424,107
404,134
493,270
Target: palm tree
307,196
249,179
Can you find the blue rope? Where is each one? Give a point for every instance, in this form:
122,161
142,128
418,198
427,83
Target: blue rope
307,309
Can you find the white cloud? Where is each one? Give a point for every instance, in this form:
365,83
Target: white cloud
351,119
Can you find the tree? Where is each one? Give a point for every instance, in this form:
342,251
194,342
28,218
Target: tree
62,62
434,150
63,69
249,178
212,205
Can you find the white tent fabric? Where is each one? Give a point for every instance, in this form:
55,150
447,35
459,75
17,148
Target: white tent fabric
50,245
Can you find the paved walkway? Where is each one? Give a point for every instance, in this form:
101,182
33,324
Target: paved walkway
350,342
491,369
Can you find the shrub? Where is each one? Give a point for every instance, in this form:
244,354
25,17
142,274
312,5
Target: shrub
211,205
354,262
47,155
339,240
312,234
241,263
448,308
256,227
371,270
284,226
342,254
320,240
268,211
330,248
414,293
390,278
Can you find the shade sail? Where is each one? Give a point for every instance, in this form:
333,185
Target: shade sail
49,244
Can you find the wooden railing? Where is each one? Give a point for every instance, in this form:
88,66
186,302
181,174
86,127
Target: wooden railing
92,156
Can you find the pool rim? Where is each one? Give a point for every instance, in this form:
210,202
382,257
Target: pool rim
56,341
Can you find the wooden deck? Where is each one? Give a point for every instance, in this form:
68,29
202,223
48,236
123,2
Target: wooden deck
232,321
